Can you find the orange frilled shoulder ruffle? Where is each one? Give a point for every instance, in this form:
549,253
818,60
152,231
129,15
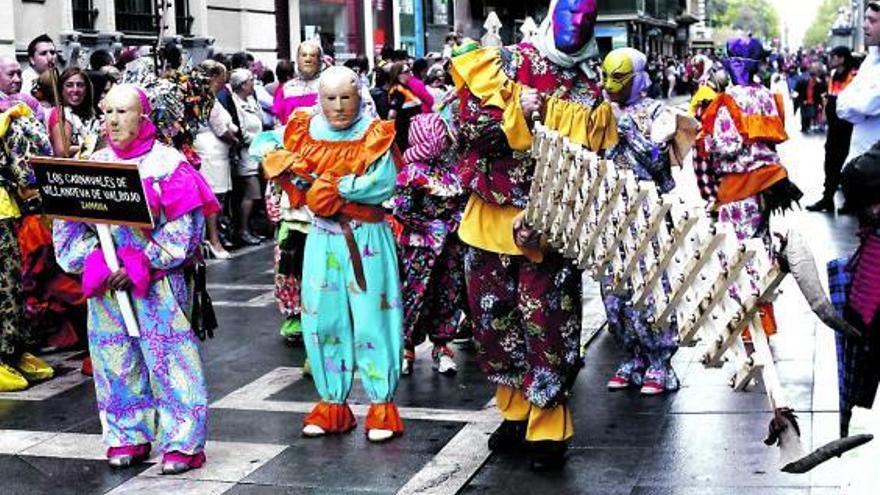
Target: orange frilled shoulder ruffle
308,157
753,128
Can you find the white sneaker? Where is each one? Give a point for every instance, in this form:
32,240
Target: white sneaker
379,435
407,368
445,365
313,431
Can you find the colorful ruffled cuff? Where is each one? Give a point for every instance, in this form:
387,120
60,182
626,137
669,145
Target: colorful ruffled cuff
323,197
384,416
137,266
183,191
95,273
332,418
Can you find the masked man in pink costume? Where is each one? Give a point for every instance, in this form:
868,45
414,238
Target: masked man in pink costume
302,90
150,388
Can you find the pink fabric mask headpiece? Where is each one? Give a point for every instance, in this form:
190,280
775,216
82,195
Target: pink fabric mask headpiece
143,142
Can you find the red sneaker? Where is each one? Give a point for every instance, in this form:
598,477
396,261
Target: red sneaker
652,388
618,382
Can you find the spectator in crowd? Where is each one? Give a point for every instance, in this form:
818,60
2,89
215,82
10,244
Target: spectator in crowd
73,126
810,90
405,102
859,103
361,66
10,77
245,183
212,144
101,83
284,72
10,88
42,57
839,131
103,58
379,91
417,85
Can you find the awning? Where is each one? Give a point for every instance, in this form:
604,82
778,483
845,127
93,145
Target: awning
610,31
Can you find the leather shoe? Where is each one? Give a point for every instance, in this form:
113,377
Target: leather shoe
510,436
822,205
247,239
547,455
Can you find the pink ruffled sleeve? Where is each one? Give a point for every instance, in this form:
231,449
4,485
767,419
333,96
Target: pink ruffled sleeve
137,266
183,191
95,273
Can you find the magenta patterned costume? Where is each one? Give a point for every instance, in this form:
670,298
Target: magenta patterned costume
732,153
427,210
152,387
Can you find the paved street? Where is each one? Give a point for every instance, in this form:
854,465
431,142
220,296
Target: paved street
705,439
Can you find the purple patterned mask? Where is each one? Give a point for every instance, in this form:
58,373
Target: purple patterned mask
573,23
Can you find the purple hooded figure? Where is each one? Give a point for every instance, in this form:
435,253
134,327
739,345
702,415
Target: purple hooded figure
743,56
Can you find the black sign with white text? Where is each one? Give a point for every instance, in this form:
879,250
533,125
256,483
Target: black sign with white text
94,192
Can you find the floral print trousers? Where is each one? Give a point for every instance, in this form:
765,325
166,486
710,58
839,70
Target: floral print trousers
434,293
647,351
289,248
527,322
13,332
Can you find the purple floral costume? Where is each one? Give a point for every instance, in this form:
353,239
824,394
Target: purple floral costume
648,351
152,387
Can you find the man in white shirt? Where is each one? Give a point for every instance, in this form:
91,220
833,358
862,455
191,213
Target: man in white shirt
859,103
42,56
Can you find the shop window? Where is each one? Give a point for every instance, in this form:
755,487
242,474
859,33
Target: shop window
136,16
84,15
338,23
438,11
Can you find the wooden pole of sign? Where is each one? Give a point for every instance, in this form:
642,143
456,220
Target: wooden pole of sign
125,307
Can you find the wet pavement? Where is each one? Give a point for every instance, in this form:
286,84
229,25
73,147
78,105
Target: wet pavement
704,439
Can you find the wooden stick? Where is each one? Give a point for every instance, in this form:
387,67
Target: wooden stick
122,298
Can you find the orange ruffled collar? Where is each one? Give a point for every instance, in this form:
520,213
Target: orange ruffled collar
306,156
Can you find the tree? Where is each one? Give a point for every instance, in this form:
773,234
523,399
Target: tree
757,17
818,31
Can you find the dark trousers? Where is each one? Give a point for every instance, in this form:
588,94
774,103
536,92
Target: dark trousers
836,148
